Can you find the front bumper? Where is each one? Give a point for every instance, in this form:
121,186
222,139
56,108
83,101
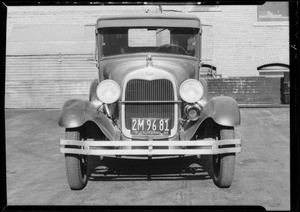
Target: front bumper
149,148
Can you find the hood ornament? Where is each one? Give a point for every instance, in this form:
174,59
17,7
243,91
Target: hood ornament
149,60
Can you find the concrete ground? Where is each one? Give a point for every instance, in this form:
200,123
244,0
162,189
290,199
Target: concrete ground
36,170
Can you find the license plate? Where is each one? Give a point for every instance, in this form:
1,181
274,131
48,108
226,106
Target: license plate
150,126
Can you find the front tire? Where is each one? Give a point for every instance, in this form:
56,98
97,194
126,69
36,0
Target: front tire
224,164
76,165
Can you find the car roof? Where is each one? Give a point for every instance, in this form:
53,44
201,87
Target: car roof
146,20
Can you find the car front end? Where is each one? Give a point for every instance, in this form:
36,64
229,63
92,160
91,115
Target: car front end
149,99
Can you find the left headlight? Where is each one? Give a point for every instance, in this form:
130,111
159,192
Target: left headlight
191,90
108,91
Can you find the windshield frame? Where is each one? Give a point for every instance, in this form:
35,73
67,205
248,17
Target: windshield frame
197,40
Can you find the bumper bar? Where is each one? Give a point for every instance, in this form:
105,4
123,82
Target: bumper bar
109,148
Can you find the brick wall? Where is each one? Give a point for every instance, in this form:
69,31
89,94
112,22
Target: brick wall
247,90
241,44
48,15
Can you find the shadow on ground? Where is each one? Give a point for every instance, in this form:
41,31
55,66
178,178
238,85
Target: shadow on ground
125,169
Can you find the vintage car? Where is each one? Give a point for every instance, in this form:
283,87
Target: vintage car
149,99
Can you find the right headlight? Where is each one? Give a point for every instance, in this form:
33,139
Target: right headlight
108,91
191,90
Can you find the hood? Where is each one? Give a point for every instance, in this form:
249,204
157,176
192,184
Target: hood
118,67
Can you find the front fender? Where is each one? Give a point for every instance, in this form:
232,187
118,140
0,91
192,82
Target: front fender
76,112
73,113
223,110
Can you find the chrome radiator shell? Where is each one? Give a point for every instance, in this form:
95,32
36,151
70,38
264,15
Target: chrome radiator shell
147,95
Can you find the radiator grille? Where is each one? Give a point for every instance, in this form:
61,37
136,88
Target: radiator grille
143,90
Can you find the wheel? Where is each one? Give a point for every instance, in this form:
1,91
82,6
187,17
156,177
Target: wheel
76,165
223,164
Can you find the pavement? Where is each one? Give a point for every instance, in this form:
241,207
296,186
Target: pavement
36,175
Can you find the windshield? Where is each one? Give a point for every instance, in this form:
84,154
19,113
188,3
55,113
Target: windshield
143,40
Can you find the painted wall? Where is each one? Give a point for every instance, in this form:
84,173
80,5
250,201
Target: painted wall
241,44
45,80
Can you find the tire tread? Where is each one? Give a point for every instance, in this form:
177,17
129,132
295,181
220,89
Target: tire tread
227,162
73,164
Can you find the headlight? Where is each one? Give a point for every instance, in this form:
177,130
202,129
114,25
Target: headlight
191,90
108,91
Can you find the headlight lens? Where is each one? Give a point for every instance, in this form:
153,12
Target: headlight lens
191,90
108,91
